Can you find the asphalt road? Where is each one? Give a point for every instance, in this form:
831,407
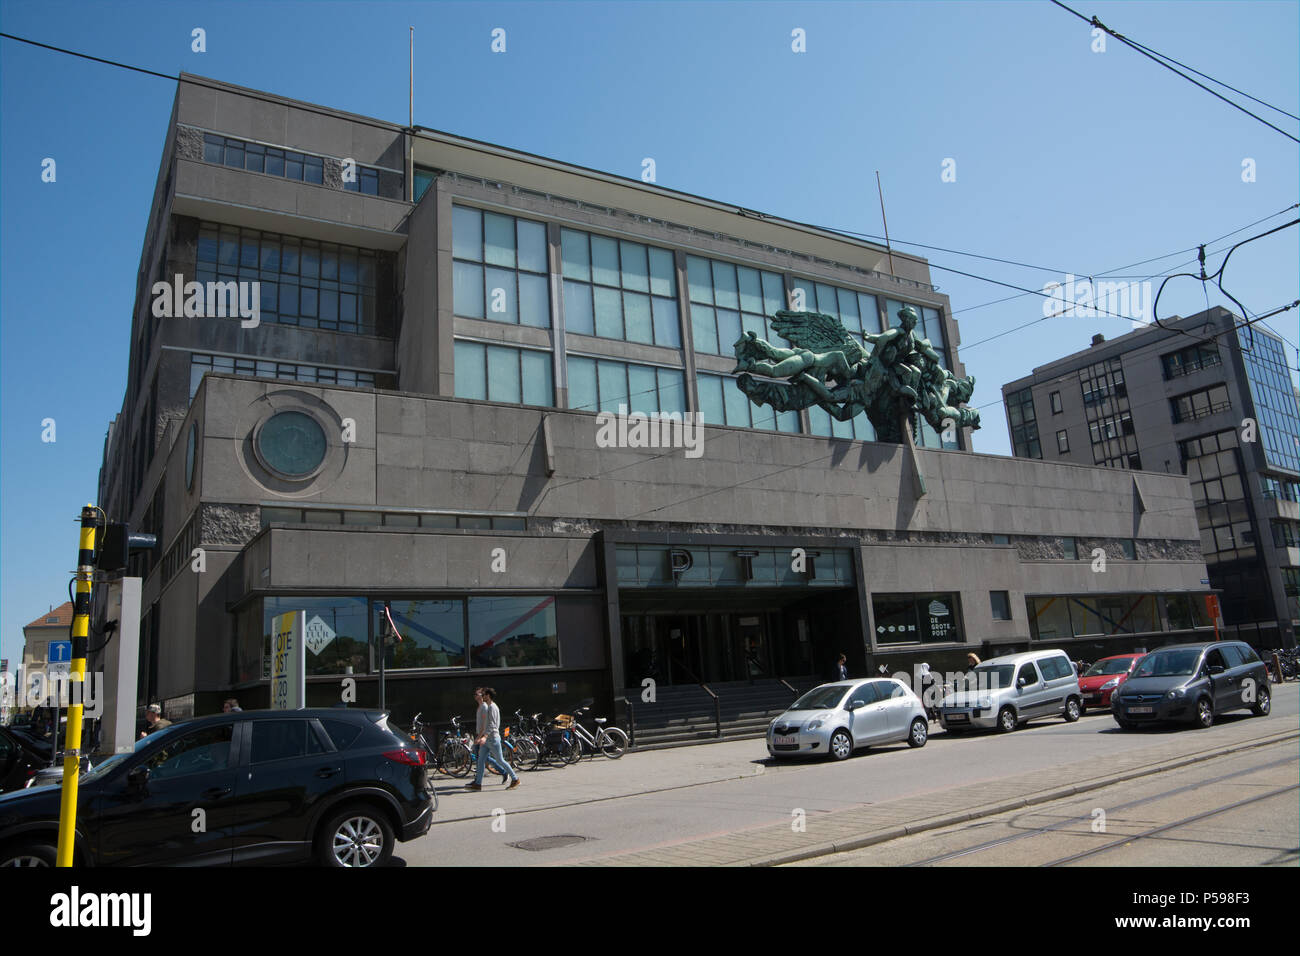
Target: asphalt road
663,798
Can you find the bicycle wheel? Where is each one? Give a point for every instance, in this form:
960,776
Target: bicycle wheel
613,742
455,759
525,755
572,748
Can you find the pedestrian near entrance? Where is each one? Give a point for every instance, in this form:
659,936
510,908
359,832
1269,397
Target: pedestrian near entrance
842,668
231,706
972,660
487,737
154,720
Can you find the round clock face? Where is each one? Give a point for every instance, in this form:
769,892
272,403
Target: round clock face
191,450
292,443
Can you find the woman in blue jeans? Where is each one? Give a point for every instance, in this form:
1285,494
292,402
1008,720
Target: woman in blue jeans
487,737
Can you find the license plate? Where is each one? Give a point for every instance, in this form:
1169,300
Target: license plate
957,718
784,740
1141,710
1092,698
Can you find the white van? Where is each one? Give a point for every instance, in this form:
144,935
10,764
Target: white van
1008,691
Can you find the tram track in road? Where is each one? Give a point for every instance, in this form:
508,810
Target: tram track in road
1087,817
1066,827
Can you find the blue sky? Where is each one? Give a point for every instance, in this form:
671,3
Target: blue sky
1065,158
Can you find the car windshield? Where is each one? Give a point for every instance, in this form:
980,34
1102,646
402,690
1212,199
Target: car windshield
989,677
105,768
1117,665
820,698
1177,663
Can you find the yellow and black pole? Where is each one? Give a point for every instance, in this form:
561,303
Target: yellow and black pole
80,632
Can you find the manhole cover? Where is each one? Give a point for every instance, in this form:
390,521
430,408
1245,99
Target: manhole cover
549,842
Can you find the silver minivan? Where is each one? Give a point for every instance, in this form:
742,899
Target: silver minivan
1008,691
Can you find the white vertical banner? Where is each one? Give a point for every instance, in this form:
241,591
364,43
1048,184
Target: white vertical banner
288,661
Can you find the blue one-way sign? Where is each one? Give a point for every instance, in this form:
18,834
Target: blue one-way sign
60,652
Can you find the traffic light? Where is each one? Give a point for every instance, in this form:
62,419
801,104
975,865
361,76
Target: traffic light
118,544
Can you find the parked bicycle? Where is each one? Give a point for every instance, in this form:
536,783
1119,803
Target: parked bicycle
610,741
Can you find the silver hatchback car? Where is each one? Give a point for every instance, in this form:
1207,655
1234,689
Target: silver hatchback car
838,718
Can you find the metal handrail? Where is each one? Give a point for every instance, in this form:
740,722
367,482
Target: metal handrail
717,704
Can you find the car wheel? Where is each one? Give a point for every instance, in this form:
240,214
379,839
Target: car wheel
920,733
1263,703
1006,720
355,837
1204,713
29,854
1072,710
841,745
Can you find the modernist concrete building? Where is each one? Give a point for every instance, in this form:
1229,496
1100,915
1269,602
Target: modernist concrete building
412,424
1208,396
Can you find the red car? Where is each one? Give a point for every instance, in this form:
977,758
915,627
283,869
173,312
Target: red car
1101,679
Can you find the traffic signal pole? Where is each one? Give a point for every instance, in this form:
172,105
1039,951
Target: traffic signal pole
77,675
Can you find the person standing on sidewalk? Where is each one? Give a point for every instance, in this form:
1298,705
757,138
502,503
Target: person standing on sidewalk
487,737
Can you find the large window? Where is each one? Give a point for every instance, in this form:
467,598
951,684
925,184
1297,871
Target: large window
513,632
285,371
319,285
501,374
338,632
499,268
602,385
1024,424
1274,397
728,300
1057,617
618,289
432,633
1191,359
723,403
273,161
1223,511
1200,404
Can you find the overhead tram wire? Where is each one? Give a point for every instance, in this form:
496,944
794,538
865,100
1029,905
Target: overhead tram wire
1157,58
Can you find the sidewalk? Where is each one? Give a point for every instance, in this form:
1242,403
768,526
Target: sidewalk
863,826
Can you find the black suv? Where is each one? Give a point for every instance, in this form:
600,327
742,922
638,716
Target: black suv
249,787
1192,682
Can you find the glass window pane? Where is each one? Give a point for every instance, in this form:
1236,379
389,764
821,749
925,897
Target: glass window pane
711,411
773,293
609,312
532,246
275,162
736,403
643,389
577,308
728,331
803,298
636,316
870,313
574,259
214,148
789,422
698,279
849,311
636,275
705,329
466,233
502,304
433,633
826,299
612,377
503,374
536,369
668,330
604,261
498,239
751,292
725,291
310,261
313,170
763,416
534,301
663,273
471,380
582,383
513,632
467,289
672,390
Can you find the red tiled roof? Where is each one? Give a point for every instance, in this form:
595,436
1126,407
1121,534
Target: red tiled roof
61,615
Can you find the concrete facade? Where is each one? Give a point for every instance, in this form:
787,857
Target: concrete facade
417,493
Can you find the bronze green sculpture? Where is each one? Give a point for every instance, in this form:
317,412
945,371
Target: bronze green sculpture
828,368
